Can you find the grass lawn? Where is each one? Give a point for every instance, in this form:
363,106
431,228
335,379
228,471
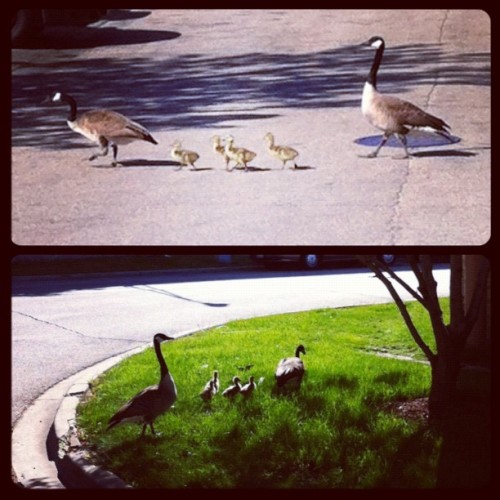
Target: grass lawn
336,432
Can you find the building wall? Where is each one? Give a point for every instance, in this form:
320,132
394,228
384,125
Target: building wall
478,347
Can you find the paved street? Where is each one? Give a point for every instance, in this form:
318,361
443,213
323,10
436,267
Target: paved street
189,74
61,325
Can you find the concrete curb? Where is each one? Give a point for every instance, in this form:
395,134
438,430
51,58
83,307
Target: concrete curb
73,464
46,451
45,447
85,475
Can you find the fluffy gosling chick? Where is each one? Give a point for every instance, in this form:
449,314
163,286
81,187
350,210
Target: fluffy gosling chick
283,153
233,389
248,389
241,156
207,393
218,148
183,156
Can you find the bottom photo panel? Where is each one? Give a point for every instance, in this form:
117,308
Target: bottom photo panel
258,371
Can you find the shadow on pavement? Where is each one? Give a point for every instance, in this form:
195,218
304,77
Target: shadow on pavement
136,163
126,14
448,153
55,284
204,91
64,38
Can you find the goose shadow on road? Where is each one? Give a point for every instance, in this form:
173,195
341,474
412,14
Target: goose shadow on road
140,162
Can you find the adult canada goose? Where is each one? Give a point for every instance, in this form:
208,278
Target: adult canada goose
290,371
219,148
391,114
247,389
102,126
241,156
183,156
152,401
233,389
283,153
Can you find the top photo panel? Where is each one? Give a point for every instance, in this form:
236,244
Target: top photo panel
251,127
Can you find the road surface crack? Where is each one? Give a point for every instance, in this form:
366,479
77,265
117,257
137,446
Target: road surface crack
396,226
75,332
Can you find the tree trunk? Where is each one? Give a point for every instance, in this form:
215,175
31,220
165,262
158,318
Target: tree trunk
445,369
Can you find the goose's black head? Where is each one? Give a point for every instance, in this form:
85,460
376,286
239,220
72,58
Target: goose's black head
375,42
161,337
56,98
300,349
62,98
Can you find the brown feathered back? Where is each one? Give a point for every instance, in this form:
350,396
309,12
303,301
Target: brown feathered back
290,371
114,126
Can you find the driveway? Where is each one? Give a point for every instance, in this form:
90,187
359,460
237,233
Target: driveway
190,74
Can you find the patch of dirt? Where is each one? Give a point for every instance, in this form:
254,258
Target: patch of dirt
415,409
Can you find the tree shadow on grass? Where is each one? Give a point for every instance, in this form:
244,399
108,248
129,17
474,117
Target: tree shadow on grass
392,378
135,455
413,452
342,382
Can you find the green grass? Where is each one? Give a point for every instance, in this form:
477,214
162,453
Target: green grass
334,433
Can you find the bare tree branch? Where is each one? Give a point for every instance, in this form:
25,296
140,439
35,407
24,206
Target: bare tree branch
450,339
394,276
401,282
415,267
431,286
375,266
441,332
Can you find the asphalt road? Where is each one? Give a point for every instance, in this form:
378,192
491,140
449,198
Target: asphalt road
189,74
62,325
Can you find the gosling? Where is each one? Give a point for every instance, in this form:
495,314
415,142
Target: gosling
183,156
218,148
233,389
241,156
212,385
283,153
247,390
207,393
